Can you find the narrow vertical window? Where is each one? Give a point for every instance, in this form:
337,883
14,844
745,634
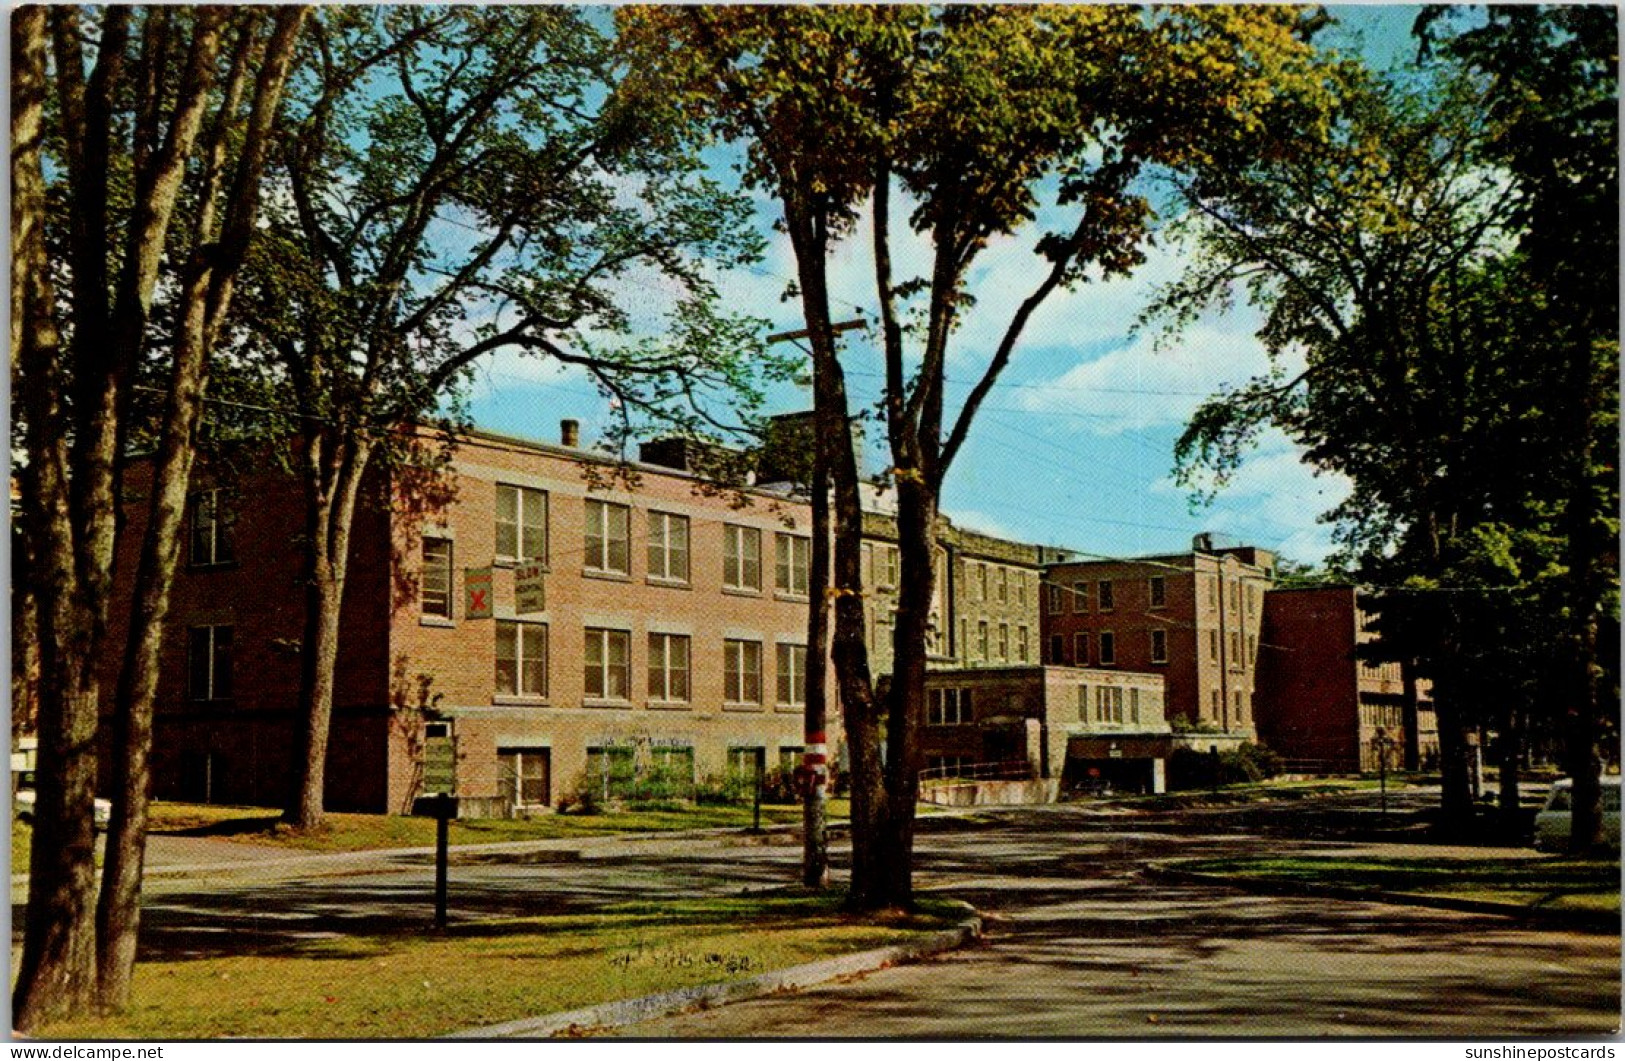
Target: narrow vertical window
209,661
1108,648
608,669
668,667
741,557
436,580
792,556
1159,592
211,529
1080,649
607,530
742,662
792,675
521,526
1105,597
668,547
521,659
1159,646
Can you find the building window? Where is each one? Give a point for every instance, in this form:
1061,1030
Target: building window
1057,648
608,670
948,707
1108,648
792,675
1108,703
1134,705
209,661
1021,590
940,766
1159,646
742,669
1105,597
1054,599
1159,592
1021,644
981,640
790,756
1004,642
523,776
981,582
211,529
1252,649
1235,700
1235,597
521,659
890,577
1080,597
1213,644
521,523
1080,649
1218,704
1004,585
1083,703
1212,585
668,547
1235,649
741,557
793,555
435,584
668,667
607,530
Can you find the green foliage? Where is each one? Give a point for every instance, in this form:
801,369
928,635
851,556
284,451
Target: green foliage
1247,764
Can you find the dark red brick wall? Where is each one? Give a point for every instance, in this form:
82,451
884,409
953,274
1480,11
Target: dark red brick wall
1307,677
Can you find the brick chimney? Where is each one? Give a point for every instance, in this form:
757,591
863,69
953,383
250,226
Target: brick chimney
570,433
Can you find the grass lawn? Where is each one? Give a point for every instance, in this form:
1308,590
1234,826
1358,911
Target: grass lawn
1550,883
365,832
22,834
411,984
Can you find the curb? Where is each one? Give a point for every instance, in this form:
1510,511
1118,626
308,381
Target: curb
704,996
1579,920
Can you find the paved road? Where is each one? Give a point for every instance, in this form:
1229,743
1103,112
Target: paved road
1079,943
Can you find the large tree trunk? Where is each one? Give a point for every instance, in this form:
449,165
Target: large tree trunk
205,302
56,976
334,466
815,755
916,527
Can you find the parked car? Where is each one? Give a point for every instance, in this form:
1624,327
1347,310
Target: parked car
23,805
1553,820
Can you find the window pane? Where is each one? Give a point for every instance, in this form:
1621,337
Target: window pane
507,521
507,658
677,531
594,663
677,665
437,577
534,659
619,533
594,557
620,670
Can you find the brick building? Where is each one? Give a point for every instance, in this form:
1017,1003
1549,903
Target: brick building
1061,722
668,635
1195,618
1326,706
985,605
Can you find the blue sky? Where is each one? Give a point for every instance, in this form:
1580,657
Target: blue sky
1074,446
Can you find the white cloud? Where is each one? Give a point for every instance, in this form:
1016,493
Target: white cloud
1274,499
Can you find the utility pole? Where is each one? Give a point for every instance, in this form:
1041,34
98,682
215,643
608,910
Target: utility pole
814,773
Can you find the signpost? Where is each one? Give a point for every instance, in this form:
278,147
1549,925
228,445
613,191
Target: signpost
529,588
442,808
477,592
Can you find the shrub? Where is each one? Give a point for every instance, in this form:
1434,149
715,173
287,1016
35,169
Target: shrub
1249,763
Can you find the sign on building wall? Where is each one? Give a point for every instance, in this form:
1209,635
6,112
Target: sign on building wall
529,589
477,593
